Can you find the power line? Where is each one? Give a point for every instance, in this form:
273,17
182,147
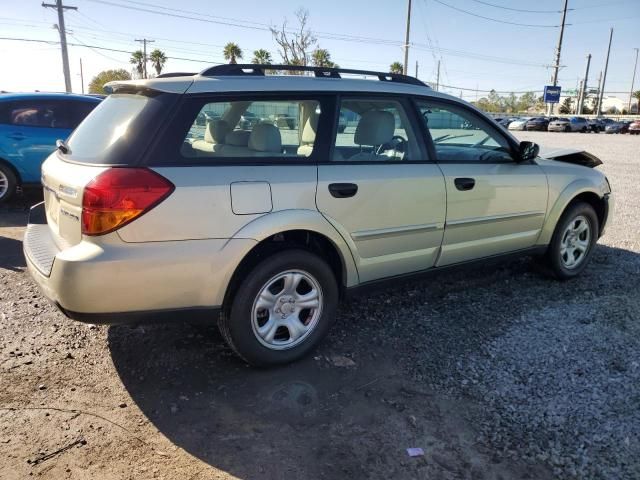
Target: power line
129,52
495,19
515,9
347,38
54,42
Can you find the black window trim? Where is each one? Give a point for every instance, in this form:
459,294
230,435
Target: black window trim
412,116
482,119
177,123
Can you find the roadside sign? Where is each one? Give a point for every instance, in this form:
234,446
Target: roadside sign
551,94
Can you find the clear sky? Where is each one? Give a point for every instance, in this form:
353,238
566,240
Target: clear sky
475,53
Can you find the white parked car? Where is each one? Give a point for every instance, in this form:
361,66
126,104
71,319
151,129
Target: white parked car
519,124
263,226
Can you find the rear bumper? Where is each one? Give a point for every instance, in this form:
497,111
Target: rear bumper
118,282
553,128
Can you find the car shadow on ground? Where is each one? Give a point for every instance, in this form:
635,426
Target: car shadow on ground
11,256
367,394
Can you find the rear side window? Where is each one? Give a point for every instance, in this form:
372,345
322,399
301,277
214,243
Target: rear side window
38,113
119,130
78,110
374,130
248,129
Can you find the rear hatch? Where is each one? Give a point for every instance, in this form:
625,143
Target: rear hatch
117,133
63,185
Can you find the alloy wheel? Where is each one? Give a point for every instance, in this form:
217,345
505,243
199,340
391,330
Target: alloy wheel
575,242
4,184
287,309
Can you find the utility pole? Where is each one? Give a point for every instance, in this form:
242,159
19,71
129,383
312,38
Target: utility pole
438,78
598,90
583,90
144,42
556,66
405,65
577,110
81,77
604,77
416,68
633,80
63,40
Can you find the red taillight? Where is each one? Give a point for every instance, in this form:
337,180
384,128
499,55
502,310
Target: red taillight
118,196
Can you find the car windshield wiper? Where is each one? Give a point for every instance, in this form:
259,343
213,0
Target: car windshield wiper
451,137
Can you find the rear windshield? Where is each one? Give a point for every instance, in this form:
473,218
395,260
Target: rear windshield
119,130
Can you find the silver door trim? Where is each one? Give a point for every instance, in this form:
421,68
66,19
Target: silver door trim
493,218
393,231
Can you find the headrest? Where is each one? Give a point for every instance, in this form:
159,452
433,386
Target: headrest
265,137
310,129
216,131
237,138
375,127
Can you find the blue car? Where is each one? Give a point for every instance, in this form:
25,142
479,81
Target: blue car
30,124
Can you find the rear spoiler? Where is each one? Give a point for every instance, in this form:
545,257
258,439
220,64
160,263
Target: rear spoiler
169,84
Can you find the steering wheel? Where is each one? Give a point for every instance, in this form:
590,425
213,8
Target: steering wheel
397,143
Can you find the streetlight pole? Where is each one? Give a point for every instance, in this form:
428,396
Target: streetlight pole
63,40
633,80
405,65
583,90
604,76
556,66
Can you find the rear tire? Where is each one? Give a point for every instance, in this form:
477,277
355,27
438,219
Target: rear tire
8,183
573,241
283,308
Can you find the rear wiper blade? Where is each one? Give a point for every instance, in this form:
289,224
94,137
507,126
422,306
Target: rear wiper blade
62,146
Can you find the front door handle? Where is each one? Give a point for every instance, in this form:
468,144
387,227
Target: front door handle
343,190
464,184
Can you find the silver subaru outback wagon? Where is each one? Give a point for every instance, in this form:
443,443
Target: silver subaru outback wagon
259,201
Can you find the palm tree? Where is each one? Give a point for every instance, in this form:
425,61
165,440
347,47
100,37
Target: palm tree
137,59
396,67
261,57
322,58
232,52
158,59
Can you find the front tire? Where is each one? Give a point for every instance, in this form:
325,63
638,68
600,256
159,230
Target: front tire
573,241
282,309
7,183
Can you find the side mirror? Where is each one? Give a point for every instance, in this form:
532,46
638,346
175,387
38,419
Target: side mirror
528,151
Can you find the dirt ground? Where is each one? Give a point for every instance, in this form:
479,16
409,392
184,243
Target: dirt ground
171,401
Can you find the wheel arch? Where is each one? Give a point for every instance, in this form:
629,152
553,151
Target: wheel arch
578,191
294,229
11,167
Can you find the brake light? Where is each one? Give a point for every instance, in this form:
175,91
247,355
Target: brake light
120,195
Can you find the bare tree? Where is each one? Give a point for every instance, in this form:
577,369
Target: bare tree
296,46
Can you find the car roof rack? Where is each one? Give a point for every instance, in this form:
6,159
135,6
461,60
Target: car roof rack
320,72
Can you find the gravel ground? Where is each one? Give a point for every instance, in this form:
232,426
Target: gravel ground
496,372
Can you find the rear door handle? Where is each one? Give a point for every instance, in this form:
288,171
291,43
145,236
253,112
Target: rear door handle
17,136
343,190
464,184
